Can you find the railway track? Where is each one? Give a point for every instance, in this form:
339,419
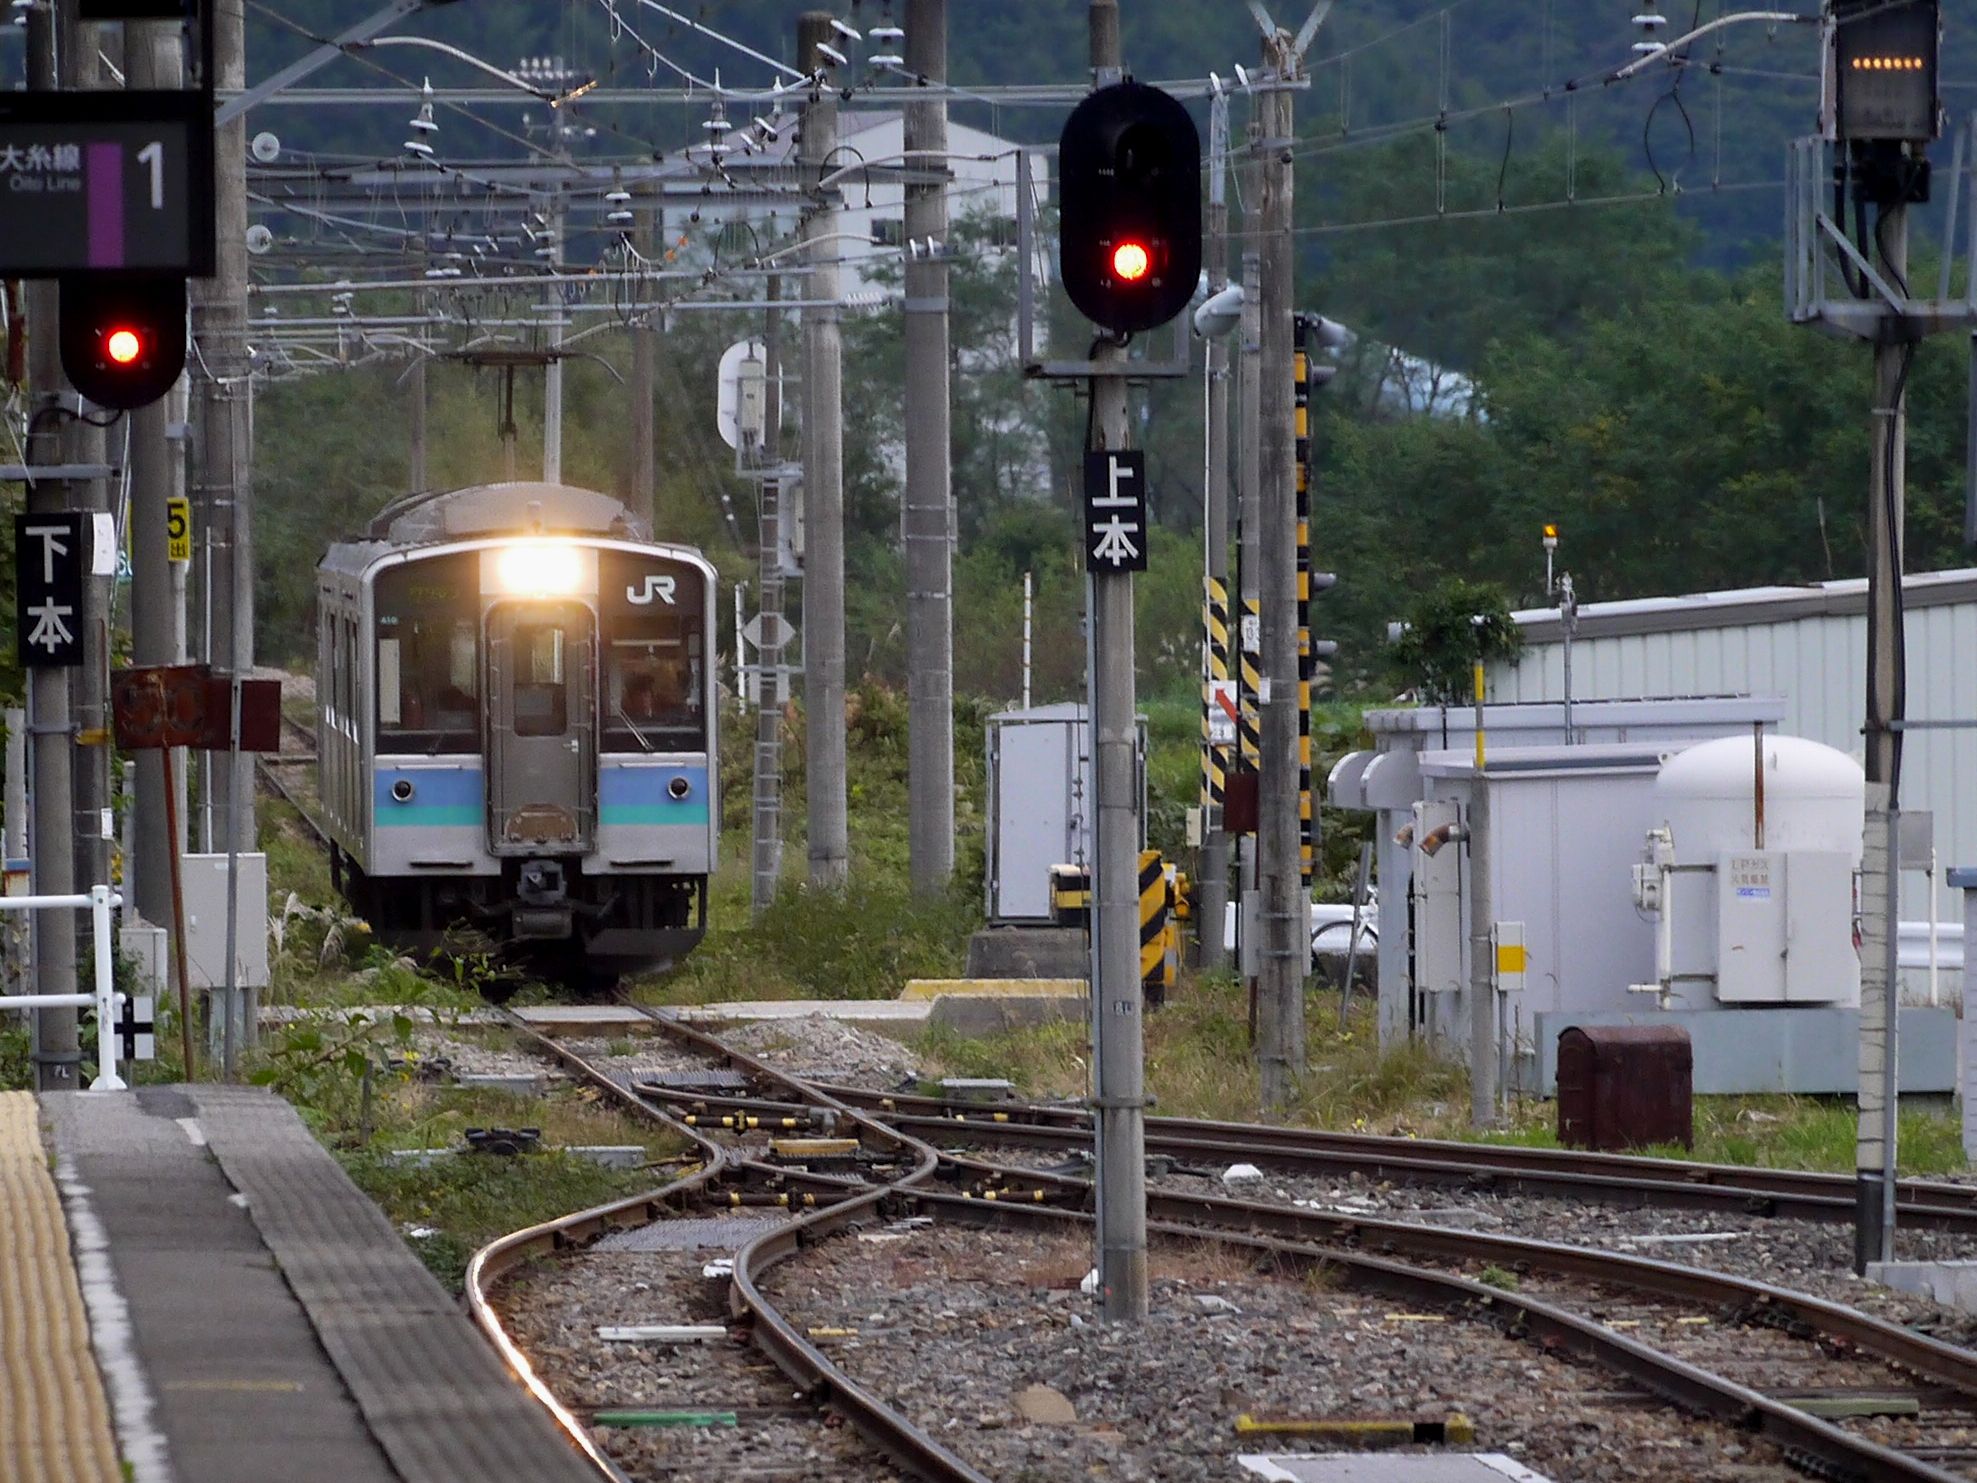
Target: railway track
1755,1357
272,770
1621,1179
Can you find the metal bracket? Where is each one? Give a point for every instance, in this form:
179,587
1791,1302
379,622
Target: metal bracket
30,473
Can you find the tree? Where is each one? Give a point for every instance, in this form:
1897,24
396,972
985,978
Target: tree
1452,627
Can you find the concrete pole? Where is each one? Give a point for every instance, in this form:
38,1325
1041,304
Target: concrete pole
153,58
823,488
224,392
1249,517
768,857
929,522
1874,1145
1215,518
645,357
50,733
1286,955
1119,1101
552,373
82,67
13,846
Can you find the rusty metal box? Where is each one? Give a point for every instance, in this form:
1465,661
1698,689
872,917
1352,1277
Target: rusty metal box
1625,1086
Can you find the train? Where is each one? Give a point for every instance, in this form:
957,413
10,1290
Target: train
515,735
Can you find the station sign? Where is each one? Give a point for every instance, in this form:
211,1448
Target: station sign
106,182
1115,511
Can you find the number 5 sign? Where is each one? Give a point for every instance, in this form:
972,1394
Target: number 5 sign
178,527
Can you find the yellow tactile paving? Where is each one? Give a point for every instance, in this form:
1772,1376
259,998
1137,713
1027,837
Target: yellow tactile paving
54,1421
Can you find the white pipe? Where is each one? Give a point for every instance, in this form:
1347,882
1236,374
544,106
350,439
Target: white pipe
741,667
1664,935
106,999
1935,952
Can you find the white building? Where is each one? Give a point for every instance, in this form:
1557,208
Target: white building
1807,645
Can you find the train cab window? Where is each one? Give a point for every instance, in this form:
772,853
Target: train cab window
654,652
542,696
428,657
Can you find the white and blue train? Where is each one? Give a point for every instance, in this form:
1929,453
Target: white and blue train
515,729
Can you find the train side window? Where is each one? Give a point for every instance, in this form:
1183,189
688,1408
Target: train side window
542,699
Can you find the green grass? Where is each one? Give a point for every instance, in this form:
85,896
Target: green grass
466,1202
1199,1064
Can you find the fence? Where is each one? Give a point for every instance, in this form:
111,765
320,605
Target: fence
106,999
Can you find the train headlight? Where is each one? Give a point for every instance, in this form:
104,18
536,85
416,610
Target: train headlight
540,570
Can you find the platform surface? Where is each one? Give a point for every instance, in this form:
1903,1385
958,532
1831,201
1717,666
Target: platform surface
256,1317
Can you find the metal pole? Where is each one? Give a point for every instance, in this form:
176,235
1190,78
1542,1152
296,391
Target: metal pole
50,744
1482,939
415,405
1568,609
645,356
153,58
1874,1149
769,600
1029,615
1119,1102
1248,527
179,965
107,1079
823,485
1286,954
929,513
1215,518
552,373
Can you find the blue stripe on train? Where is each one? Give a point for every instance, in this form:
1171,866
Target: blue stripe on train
441,796
639,795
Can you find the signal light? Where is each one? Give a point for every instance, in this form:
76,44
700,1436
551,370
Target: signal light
1129,179
123,339
1130,260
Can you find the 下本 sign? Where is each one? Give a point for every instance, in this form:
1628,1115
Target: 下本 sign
1115,511
51,553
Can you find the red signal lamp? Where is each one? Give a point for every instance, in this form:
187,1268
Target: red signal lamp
123,345
1131,261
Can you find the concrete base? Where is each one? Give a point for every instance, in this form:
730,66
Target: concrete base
1029,952
1812,1050
1953,1284
877,1014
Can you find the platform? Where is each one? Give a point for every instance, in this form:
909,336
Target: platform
251,1314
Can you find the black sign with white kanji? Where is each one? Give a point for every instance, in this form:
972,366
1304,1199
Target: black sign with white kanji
1115,511
51,554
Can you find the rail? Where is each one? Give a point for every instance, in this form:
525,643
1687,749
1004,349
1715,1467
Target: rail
106,1000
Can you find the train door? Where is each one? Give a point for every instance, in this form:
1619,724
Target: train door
542,727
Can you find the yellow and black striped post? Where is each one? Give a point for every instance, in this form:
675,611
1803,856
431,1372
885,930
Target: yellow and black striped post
1154,967
1249,685
1214,759
1306,667
1070,896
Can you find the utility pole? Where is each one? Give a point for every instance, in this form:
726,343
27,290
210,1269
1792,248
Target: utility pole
224,390
1215,521
769,597
645,346
1249,515
1285,956
1880,875
153,58
1482,936
823,481
56,1052
82,66
929,522
552,371
1119,1103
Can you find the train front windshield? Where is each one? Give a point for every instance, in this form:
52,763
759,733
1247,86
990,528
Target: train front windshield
428,655
653,638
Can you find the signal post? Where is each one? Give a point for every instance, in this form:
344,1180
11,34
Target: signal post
1129,255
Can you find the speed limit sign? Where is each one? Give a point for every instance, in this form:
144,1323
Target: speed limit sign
178,527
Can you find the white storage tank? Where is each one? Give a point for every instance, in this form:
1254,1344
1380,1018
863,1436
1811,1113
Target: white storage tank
1756,886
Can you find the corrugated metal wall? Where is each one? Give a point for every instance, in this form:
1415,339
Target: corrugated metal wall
1818,664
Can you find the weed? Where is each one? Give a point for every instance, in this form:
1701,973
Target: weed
1500,1278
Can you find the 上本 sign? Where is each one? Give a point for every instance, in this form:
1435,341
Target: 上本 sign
1115,511
50,556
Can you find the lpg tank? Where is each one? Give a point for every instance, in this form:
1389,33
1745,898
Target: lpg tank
1761,896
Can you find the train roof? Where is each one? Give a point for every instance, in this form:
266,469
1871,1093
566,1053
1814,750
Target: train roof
496,509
